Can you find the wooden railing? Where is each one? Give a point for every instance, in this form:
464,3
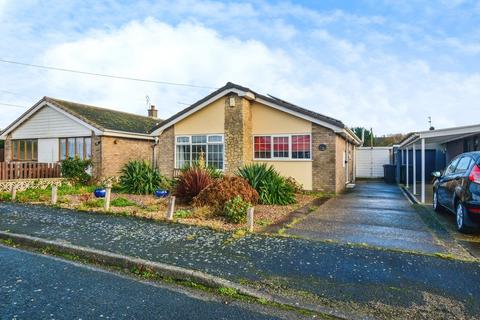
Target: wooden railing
28,170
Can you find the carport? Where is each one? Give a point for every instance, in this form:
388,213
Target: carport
432,139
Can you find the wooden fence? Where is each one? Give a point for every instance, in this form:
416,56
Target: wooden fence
28,170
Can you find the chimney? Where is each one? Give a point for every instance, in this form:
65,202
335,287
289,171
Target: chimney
152,112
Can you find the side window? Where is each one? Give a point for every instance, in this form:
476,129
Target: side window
463,165
451,167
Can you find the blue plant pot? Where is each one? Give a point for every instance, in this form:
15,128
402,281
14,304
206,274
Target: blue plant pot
161,193
100,193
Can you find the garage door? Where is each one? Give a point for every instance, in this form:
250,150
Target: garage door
370,161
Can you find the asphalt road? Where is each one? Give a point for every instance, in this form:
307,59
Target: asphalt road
41,287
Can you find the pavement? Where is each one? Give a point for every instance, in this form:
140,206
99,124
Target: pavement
361,280
41,287
374,213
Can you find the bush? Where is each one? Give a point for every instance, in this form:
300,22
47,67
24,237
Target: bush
122,202
139,178
75,169
297,187
235,210
212,171
220,191
182,213
270,185
192,181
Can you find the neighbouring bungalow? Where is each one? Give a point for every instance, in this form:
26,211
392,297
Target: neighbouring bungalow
231,127
53,130
234,126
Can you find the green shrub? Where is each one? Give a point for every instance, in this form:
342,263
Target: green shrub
5,196
270,185
75,169
94,203
235,210
139,178
222,190
192,181
122,202
182,213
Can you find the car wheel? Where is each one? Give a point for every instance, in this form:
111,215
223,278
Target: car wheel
436,206
462,218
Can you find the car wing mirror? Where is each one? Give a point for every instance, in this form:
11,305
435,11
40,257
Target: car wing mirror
437,174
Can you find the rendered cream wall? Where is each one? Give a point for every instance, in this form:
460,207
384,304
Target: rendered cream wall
209,120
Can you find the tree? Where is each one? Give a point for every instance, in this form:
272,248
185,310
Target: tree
367,135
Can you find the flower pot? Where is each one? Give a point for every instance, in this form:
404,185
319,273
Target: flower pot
100,192
161,193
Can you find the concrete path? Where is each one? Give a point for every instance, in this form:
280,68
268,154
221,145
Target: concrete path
379,283
374,213
42,287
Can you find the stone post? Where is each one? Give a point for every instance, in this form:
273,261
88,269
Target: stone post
250,219
54,193
108,196
171,208
14,192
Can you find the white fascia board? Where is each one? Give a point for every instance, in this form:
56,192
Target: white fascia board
200,106
412,139
123,134
450,131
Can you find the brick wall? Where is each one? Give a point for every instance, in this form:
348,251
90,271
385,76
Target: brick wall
8,149
96,156
165,152
238,132
324,162
116,152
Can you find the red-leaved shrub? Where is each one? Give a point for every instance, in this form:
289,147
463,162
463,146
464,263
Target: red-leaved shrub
192,181
224,189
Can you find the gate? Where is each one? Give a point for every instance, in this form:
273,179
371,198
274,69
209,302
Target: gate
370,161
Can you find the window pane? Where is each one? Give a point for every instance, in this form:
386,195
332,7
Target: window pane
71,148
199,139
301,147
22,150
262,147
215,156
197,150
182,156
28,150
183,139
79,148
15,150
463,165
280,147
63,149
35,150
215,139
88,148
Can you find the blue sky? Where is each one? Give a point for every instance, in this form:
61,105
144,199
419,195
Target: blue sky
382,64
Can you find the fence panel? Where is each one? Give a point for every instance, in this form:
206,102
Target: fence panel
28,170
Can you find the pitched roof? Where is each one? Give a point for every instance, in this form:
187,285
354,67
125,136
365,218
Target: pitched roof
108,119
269,98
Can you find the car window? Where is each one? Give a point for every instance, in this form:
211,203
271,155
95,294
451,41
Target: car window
451,167
463,165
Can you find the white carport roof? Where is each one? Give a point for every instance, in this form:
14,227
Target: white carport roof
441,135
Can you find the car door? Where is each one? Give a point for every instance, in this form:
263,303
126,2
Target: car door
444,183
459,176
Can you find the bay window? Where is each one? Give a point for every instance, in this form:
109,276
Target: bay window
282,147
79,147
189,149
25,150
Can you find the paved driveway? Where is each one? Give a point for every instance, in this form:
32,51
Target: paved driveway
374,213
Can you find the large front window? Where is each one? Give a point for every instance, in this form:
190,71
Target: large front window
190,149
24,150
282,147
75,148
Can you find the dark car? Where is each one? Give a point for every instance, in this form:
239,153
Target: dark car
458,190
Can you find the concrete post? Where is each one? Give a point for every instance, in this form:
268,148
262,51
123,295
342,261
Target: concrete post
414,169
14,192
108,196
171,208
54,193
407,170
423,171
250,219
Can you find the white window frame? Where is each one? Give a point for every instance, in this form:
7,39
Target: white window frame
189,143
289,158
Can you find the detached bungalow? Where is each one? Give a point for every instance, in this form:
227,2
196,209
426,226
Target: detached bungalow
53,130
232,126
